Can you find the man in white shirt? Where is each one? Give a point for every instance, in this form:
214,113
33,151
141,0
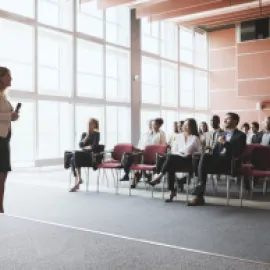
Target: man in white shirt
263,137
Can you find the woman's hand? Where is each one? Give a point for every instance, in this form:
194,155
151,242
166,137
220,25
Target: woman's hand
14,116
87,147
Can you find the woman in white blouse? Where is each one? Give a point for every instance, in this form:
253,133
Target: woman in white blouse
6,116
186,144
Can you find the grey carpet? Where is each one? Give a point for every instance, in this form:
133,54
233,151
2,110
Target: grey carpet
29,245
239,232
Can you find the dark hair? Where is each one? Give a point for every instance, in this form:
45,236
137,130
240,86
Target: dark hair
203,123
256,125
193,126
216,117
246,125
96,122
159,121
175,127
181,123
3,71
234,116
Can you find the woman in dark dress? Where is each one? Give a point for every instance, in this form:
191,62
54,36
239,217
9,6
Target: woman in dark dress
89,142
6,116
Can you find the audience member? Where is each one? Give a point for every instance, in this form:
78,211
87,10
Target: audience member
263,137
212,135
180,126
255,127
203,133
155,136
186,144
246,128
89,141
173,136
230,144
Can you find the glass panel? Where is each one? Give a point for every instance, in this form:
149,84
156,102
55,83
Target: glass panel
57,13
83,113
117,75
186,87
118,25
19,59
201,50
54,129
54,63
25,7
89,69
23,135
117,121
186,45
90,19
169,84
150,36
169,43
201,89
150,81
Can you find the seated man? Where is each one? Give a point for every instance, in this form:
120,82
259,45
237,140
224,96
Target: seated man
263,137
231,144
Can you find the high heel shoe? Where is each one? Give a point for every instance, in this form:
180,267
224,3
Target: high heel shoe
75,188
173,194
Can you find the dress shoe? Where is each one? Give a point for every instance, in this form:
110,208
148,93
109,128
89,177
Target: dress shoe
197,201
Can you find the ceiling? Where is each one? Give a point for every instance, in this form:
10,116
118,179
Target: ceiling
195,13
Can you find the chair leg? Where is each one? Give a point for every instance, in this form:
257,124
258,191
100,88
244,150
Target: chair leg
214,183
69,183
129,183
251,187
98,180
117,182
241,191
264,187
228,188
87,180
163,186
187,192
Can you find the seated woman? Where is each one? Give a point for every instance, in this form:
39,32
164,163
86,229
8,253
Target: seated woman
186,144
203,133
155,136
89,141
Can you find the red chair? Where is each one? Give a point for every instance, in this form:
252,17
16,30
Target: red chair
260,167
149,158
115,162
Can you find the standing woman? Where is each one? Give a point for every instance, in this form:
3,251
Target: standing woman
6,116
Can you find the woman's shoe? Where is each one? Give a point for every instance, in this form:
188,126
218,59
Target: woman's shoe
81,181
157,180
173,194
75,188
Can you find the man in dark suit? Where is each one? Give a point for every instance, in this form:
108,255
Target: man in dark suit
231,144
263,137
255,138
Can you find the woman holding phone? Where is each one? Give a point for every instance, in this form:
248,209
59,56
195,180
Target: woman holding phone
7,114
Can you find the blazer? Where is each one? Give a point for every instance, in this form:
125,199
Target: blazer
212,136
234,148
257,139
5,116
92,140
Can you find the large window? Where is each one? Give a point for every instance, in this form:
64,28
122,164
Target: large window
169,118
150,36
57,13
23,141
117,118
18,58
54,129
186,87
169,40
118,25
54,63
150,80
117,74
146,116
201,89
186,45
90,69
169,84
25,7
90,19
201,50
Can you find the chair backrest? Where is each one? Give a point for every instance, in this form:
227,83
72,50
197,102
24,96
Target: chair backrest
260,158
120,149
151,151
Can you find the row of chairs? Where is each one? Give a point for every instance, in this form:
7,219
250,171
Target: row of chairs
255,163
